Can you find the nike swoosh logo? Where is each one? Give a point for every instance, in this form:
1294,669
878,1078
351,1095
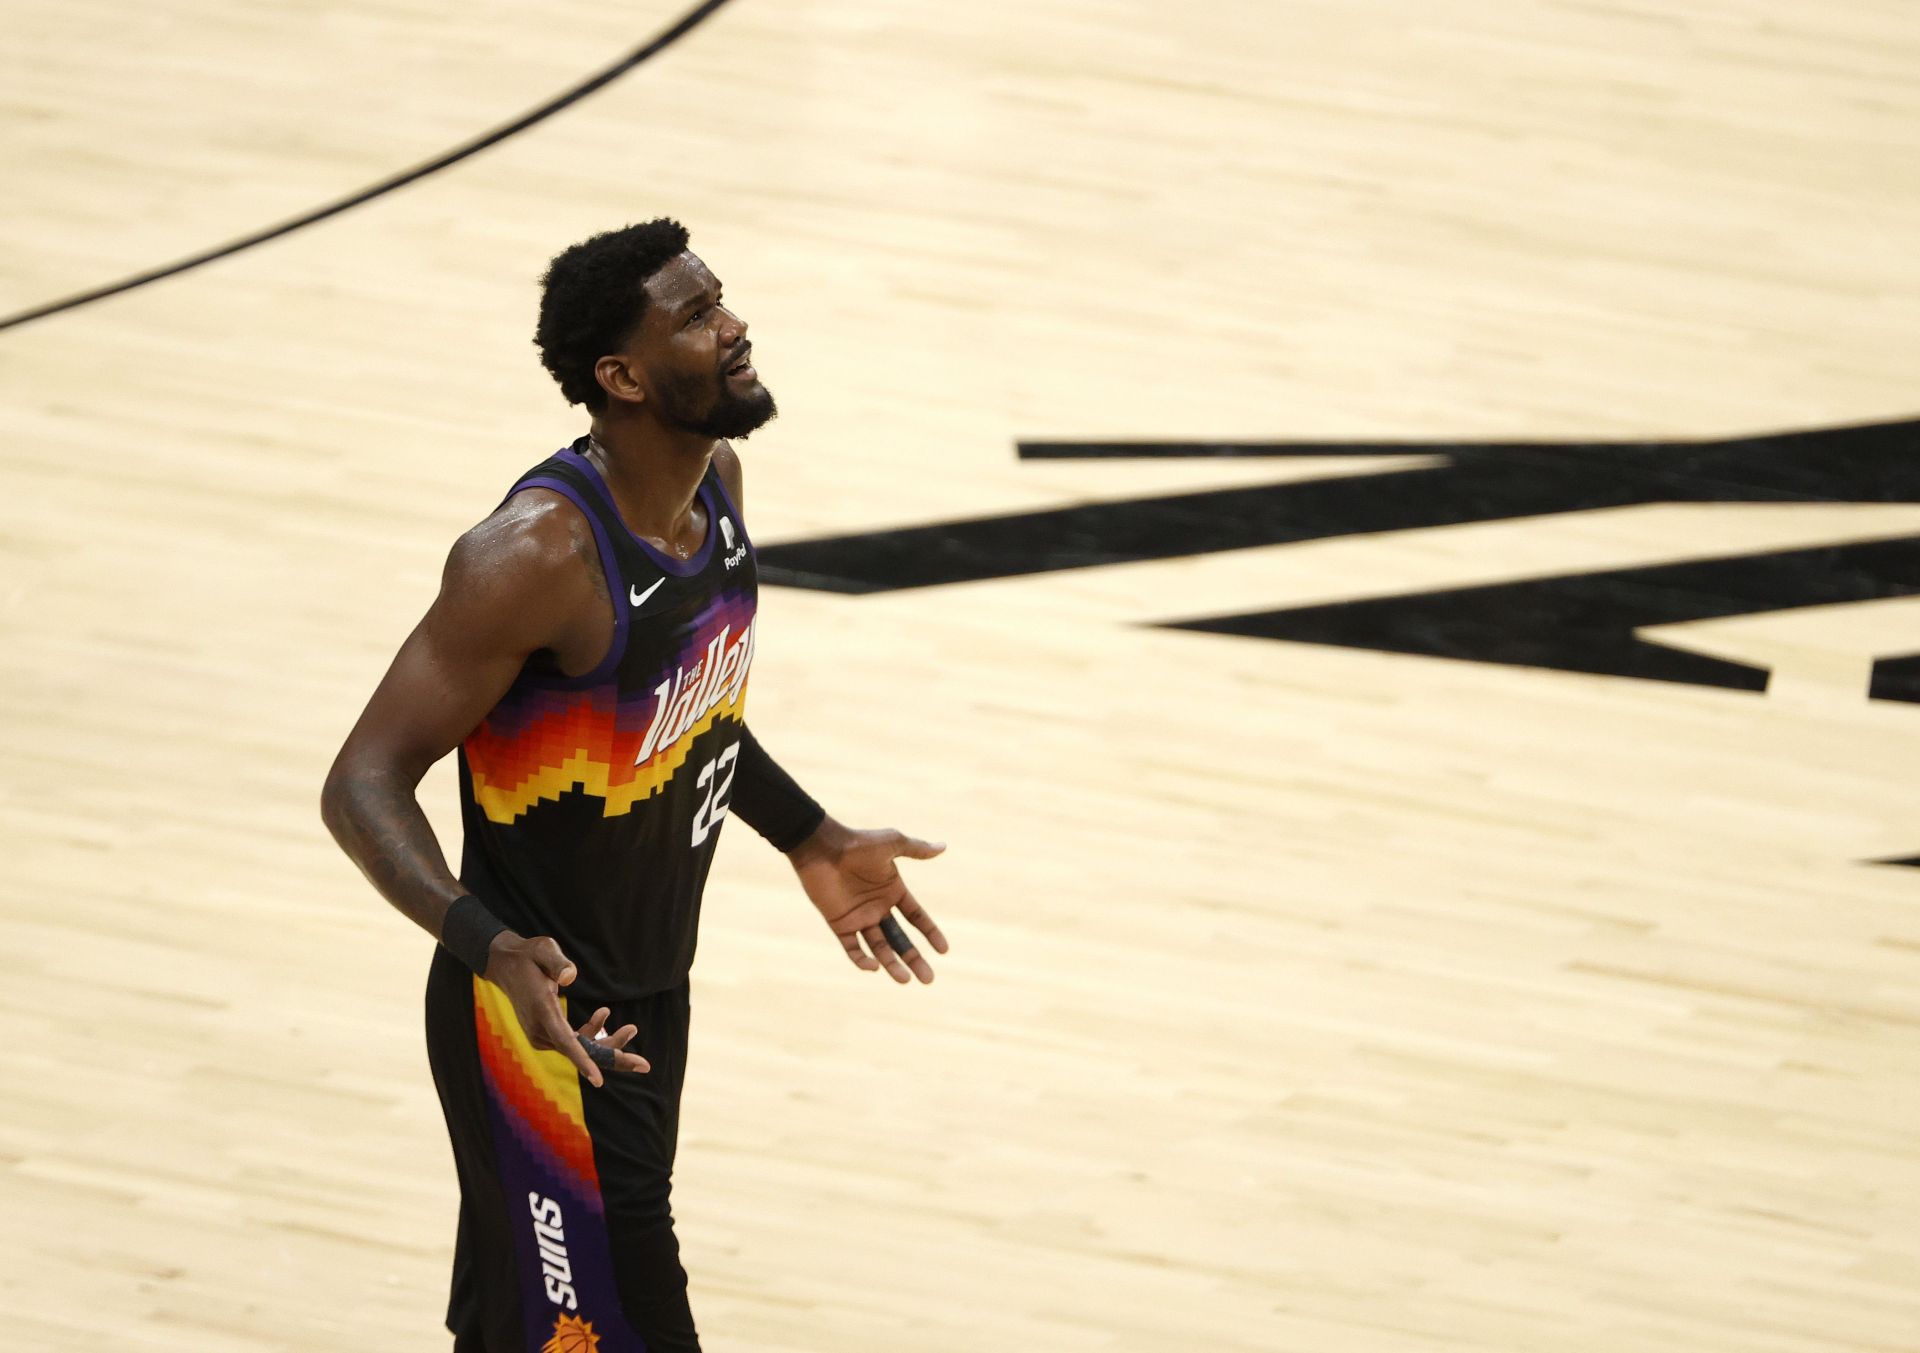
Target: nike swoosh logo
636,596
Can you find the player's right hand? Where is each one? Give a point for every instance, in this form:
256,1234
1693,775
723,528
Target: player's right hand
531,972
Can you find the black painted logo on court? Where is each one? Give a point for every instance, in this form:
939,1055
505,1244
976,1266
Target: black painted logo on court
1585,622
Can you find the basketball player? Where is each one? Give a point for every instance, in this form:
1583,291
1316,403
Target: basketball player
588,655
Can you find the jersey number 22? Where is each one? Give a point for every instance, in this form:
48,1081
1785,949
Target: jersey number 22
716,777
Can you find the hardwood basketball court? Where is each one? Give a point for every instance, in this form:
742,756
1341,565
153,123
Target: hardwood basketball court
1304,996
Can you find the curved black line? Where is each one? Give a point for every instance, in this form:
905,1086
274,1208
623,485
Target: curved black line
687,23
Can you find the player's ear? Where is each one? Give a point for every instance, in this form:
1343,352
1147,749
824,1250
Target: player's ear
619,376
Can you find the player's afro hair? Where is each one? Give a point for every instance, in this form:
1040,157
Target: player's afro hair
591,299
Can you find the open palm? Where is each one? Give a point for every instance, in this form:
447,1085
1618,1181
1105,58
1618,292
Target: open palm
853,882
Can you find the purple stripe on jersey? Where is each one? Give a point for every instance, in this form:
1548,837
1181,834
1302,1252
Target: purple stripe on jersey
680,568
534,698
609,564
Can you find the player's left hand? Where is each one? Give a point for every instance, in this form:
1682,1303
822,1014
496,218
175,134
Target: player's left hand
852,881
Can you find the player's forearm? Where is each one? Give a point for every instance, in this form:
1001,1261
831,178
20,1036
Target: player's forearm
376,818
768,800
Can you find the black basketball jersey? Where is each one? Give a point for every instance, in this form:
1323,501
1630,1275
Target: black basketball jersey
592,804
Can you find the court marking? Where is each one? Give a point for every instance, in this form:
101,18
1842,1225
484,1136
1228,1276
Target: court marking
1476,482
660,42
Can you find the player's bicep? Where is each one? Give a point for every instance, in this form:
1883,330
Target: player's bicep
441,684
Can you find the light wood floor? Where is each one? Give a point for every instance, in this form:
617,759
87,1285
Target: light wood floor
1301,998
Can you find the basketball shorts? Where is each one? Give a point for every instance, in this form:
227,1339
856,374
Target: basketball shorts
566,1240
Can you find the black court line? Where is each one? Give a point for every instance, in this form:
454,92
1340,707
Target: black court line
1476,482
1896,678
686,24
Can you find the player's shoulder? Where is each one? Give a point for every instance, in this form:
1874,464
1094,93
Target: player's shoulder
535,538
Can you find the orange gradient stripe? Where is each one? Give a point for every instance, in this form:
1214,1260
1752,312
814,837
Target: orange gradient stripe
541,1089
578,746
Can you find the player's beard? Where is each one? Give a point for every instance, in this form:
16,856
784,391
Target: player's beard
730,415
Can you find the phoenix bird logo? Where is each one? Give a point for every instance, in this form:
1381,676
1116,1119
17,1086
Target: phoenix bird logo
571,1334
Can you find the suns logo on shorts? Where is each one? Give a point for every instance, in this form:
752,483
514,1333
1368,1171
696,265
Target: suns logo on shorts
571,1334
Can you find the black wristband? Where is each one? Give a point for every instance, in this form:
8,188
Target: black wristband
468,932
767,800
